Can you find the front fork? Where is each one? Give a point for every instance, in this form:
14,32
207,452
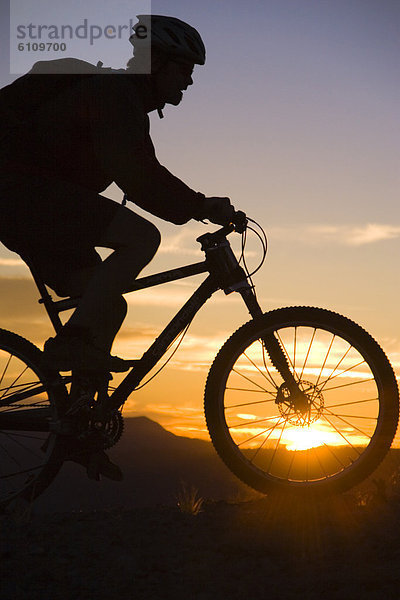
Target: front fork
234,279
277,356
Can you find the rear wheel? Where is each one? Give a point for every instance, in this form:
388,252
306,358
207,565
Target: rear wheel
30,401
330,440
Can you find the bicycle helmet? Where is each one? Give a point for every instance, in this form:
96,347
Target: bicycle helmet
170,35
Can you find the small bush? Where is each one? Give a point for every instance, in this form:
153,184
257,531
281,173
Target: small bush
188,500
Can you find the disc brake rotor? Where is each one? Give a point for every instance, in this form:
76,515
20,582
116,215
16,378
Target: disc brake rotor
288,407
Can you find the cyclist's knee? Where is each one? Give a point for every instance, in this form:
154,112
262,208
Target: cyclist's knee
120,308
151,238
144,241
127,229
70,284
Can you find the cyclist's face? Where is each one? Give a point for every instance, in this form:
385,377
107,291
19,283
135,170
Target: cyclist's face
172,79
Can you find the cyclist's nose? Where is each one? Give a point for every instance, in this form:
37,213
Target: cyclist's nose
189,81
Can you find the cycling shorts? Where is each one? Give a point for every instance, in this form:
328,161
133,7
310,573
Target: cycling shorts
54,225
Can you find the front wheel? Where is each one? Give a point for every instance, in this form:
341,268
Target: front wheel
327,443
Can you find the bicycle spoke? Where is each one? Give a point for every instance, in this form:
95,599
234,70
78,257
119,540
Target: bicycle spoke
271,429
341,434
276,446
9,475
280,422
325,359
10,456
250,380
27,449
25,435
353,402
319,462
322,386
337,387
19,407
18,396
269,379
13,383
248,423
350,424
250,403
355,416
5,368
291,464
308,352
334,455
18,385
233,389
332,376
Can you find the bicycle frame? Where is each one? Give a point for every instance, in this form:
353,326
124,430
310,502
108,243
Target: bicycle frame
224,273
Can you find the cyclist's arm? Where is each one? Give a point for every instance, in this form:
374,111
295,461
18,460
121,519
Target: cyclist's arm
151,186
120,132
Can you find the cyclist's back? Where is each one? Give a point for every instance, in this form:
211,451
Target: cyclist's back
93,134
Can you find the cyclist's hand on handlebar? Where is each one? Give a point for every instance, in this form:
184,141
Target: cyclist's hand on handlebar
217,210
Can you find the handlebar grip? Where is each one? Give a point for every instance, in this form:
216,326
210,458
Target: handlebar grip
240,221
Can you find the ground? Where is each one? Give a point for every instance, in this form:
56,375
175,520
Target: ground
345,547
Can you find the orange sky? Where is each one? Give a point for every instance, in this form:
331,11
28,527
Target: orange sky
295,117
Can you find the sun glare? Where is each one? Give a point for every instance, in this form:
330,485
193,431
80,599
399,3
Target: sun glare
303,438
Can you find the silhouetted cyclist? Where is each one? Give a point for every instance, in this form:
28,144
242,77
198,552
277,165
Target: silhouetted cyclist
57,162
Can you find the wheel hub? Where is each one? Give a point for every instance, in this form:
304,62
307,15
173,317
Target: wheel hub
303,408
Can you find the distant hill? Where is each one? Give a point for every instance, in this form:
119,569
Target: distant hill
155,462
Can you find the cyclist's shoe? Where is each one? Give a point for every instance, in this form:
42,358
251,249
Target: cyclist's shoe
73,353
90,455
98,464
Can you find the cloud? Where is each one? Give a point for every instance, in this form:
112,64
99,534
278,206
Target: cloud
11,262
195,353
20,310
338,234
182,242
373,233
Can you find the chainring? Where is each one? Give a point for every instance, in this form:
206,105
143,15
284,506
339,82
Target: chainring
113,429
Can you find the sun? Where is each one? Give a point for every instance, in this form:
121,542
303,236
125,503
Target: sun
304,438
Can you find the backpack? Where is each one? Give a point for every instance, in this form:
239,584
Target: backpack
46,80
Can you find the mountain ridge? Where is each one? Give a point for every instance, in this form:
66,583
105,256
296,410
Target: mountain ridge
156,464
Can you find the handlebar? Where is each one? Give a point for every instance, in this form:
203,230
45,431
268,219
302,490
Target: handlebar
240,221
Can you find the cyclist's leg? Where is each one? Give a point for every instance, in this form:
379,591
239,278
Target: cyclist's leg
74,284
59,229
102,308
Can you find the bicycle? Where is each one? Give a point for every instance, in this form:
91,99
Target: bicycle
298,399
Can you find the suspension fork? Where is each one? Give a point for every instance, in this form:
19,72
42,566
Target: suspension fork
272,345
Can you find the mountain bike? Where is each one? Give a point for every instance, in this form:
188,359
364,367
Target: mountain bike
298,399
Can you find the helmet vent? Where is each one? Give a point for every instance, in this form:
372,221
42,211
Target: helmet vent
172,35
190,43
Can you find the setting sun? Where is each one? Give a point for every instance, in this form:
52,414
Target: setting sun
303,438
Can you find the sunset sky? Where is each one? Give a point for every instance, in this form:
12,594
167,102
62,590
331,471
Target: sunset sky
295,118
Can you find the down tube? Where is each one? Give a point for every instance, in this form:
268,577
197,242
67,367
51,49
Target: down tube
161,344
